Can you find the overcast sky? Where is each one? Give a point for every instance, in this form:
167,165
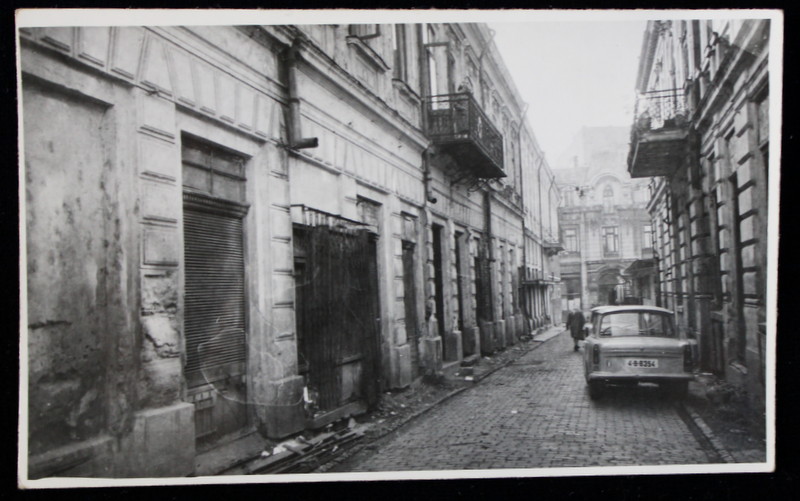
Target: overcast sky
572,74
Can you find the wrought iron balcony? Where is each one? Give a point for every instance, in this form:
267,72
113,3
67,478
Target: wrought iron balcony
659,133
459,126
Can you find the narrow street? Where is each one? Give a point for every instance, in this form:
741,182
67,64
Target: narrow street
274,243
536,413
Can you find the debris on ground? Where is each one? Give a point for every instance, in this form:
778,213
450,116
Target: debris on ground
309,452
302,454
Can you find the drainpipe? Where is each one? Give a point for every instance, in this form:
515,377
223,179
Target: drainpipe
296,141
524,287
541,225
426,175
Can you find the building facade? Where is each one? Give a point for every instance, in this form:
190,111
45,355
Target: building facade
702,134
239,232
541,278
604,224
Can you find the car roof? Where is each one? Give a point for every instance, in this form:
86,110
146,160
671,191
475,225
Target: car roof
629,307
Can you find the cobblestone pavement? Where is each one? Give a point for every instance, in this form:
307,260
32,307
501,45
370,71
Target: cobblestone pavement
536,413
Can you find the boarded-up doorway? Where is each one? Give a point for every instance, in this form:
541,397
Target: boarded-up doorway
337,319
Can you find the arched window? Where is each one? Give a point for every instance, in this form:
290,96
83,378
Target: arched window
608,198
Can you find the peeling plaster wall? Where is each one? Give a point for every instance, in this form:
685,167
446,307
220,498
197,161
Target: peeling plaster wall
104,112
68,232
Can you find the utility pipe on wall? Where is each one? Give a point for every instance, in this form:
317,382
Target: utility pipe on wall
296,141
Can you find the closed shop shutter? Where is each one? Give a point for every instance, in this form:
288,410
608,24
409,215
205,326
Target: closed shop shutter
214,289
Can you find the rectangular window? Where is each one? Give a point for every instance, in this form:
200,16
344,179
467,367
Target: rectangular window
647,236
763,120
400,53
570,239
610,240
637,324
365,31
763,136
739,294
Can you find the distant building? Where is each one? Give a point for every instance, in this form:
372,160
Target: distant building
604,225
701,133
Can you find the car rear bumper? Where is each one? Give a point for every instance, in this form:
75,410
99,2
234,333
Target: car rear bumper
651,377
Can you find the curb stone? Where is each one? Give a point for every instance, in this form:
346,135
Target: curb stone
709,435
478,378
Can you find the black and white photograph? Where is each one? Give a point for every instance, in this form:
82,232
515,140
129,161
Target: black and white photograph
289,246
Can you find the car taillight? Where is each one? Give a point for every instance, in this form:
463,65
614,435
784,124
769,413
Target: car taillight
596,354
687,358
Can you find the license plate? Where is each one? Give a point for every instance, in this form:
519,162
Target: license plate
642,363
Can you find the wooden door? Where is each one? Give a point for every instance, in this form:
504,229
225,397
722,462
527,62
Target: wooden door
338,315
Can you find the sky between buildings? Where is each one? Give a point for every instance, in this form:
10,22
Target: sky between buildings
572,74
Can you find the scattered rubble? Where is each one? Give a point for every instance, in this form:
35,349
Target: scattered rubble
313,451
302,454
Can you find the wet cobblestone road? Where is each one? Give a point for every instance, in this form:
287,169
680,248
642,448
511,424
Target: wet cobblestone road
536,413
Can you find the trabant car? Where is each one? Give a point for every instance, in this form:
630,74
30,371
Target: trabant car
627,345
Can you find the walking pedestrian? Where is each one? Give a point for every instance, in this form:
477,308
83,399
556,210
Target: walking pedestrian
575,323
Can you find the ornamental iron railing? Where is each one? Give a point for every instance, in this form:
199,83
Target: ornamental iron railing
457,118
661,108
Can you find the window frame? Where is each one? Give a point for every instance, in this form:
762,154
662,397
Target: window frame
571,234
615,234
358,30
647,236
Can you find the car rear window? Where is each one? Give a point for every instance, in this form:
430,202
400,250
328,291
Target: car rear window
636,323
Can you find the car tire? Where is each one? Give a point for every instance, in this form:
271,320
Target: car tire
596,390
677,389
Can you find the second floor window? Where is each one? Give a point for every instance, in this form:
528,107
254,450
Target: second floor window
400,53
647,236
570,240
608,199
365,31
610,240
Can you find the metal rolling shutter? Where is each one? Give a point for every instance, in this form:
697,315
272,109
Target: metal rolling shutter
214,318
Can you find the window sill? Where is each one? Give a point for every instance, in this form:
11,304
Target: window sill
367,53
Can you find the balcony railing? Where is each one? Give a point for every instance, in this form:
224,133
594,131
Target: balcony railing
660,108
659,133
456,123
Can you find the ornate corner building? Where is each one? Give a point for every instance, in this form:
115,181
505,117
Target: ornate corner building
605,228
701,132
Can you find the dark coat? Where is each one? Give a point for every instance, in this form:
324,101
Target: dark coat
576,323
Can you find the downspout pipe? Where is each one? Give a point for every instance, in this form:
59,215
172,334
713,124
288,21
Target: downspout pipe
427,176
541,225
523,293
296,141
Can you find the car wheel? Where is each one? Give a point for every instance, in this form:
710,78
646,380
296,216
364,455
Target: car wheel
596,390
677,389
